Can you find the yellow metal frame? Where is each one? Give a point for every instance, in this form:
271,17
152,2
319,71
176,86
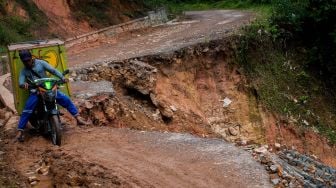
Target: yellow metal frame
52,51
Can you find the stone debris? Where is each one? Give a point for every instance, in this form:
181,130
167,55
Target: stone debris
33,183
262,149
32,179
173,108
277,145
233,131
275,181
226,102
289,168
11,124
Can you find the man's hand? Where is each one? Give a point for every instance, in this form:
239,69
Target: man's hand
25,86
65,80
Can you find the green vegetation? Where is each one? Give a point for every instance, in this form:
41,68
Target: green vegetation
178,6
289,58
14,28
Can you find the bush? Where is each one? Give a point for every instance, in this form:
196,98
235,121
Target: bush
13,29
311,23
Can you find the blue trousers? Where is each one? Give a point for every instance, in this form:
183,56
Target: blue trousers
32,101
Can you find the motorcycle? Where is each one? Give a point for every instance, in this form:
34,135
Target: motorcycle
46,116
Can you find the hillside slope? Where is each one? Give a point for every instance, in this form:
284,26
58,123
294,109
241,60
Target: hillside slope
40,19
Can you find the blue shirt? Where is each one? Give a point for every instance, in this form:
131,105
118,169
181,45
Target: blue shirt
40,67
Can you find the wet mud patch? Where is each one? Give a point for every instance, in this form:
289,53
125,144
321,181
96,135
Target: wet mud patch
67,170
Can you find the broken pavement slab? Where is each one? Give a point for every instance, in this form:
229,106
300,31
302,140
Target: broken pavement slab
6,97
87,89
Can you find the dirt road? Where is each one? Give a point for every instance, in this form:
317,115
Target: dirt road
194,27
121,157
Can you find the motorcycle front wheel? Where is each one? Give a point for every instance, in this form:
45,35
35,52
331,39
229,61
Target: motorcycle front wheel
56,132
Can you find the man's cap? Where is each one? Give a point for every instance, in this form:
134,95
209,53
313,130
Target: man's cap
25,55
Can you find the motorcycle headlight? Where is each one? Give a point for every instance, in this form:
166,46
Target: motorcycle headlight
48,85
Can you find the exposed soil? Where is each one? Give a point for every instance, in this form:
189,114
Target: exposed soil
180,81
61,20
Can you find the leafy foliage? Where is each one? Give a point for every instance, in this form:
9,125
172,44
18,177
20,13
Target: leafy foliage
312,23
292,72
178,6
14,28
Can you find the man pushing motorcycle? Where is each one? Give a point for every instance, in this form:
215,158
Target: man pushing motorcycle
35,69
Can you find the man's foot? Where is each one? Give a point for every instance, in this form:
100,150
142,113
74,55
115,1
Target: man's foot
81,121
19,137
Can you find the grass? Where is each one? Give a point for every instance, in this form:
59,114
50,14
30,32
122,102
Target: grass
14,28
178,7
282,82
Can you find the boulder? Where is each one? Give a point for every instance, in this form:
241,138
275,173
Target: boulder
11,123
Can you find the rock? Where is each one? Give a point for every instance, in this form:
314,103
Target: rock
33,183
173,108
156,115
273,168
315,157
133,116
88,105
226,102
284,183
281,173
2,122
277,146
12,123
262,149
243,142
97,184
312,169
73,74
167,112
32,179
8,115
111,113
84,78
275,181
43,170
233,131
265,159
154,99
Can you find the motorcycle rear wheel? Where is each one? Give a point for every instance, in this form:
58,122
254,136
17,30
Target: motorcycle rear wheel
56,132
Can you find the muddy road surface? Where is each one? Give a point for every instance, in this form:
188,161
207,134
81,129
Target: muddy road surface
94,157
